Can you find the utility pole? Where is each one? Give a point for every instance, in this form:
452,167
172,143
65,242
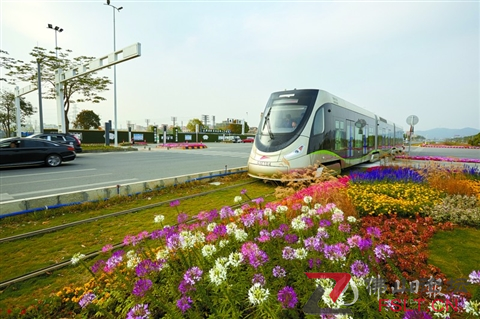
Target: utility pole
174,120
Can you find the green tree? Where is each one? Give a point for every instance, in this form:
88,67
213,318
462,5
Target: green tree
237,128
475,141
81,89
192,123
8,111
87,119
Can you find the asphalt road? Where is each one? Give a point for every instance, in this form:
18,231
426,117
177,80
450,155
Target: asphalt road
93,170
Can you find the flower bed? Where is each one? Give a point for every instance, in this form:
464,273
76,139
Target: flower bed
251,260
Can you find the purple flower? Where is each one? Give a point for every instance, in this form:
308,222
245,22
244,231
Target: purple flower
313,243
374,231
276,233
86,299
336,252
243,192
359,268
474,277
220,230
382,251
147,266
288,253
258,278
174,203
354,241
279,272
225,212
184,303
97,265
324,223
182,217
291,238
258,201
416,314
114,260
141,287
193,275
139,311
287,297
314,263
107,248
283,228
248,220
345,228
255,256
364,243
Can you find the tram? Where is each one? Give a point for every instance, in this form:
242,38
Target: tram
311,127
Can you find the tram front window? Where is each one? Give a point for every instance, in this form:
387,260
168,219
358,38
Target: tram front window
284,118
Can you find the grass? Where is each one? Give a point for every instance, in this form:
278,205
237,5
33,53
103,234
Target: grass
456,252
48,249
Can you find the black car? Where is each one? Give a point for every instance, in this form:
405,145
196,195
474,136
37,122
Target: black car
62,138
19,151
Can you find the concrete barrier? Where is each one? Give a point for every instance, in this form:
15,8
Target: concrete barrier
23,206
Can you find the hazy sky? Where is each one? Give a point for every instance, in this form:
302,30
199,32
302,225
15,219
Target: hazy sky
224,58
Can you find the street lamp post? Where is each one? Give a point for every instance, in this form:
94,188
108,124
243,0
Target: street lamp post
114,74
58,88
56,29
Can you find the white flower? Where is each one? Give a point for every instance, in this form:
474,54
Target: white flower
222,261
77,257
304,209
328,300
208,250
472,307
218,274
222,243
317,206
211,226
199,237
187,239
133,262
238,212
159,218
231,228
163,254
281,209
307,199
131,254
240,235
351,219
269,213
235,259
257,294
237,199
298,223
301,253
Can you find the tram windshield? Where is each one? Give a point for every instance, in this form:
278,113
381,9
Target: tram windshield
283,116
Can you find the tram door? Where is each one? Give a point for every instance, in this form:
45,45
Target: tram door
350,138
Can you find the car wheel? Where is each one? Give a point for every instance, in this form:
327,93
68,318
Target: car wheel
53,160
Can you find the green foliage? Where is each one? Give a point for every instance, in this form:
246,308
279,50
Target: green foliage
87,119
87,87
8,111
475,140
192,124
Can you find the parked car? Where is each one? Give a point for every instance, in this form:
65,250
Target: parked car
19,151
248,140
63,138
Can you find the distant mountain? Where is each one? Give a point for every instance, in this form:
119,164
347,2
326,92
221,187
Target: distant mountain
443,133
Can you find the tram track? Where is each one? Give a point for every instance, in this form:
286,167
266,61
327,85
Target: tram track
128,211
62,264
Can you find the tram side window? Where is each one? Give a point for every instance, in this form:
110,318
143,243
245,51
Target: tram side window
340,140
318,123
371,137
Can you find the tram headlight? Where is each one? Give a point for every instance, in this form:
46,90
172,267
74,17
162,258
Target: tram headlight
296,153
